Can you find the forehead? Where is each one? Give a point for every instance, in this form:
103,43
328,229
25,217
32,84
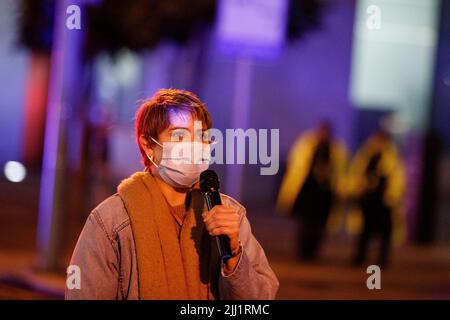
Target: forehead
180,118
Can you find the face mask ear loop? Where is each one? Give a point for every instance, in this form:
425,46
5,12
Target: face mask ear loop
159,144
151,160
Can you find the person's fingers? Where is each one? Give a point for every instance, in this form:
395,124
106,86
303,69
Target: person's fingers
221,209
217,210
215,223
229,231
224,217
218,217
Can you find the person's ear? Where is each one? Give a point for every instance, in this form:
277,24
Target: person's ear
145,145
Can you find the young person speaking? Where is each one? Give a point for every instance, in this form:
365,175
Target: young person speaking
155,238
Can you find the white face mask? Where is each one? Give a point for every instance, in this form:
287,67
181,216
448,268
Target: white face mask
182,162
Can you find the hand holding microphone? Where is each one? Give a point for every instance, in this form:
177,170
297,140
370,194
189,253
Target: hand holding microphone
220,221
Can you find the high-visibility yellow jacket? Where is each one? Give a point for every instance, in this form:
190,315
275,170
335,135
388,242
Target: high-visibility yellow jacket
298,167
392,168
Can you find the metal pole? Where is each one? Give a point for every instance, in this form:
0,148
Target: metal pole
240,114
50,210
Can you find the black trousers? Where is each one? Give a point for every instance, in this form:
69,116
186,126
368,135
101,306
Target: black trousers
377,223
312,215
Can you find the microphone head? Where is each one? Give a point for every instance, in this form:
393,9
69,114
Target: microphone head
209,181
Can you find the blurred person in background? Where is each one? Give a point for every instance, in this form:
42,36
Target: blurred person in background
377,183
154,238
312,186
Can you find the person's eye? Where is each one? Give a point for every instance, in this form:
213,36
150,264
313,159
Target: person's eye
178,136
199,136
206,137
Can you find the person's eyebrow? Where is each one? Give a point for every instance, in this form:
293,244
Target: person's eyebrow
176,128
184,128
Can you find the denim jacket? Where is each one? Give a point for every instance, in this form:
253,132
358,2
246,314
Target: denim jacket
106,256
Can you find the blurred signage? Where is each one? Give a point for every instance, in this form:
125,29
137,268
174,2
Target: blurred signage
393,56
254,28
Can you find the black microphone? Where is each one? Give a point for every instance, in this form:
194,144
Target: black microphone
209,185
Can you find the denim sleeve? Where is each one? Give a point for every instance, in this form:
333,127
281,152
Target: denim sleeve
253,278
97,258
